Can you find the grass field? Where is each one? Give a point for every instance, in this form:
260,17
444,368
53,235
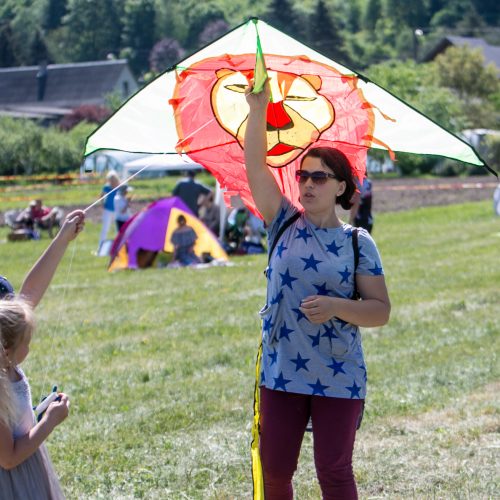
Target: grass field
159,367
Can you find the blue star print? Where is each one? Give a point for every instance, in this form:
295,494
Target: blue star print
329,333
318,388
377,271
341,321
281,217
315,338
280,382
302,233
279,296
268,324
311,262
299,314
300,362
321,289
281,248
354,390
287,280
268,272
345,275
274,356
285,332
363,367
333,248
336,366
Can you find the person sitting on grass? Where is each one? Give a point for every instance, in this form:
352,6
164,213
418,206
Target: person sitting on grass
183,239
39,216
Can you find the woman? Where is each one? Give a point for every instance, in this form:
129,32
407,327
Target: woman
312,359
108,212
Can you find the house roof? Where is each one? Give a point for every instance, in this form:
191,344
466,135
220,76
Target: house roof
67,85
491,52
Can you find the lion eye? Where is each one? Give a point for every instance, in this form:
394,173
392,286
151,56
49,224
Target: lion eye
236,87
299,98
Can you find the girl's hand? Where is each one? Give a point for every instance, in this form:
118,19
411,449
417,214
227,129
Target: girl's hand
318,308
258,101
57,411
73,225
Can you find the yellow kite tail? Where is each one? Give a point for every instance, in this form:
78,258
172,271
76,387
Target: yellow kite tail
258,480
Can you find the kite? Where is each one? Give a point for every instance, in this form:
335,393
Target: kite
198,108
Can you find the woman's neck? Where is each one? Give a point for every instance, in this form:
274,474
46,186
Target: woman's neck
324,220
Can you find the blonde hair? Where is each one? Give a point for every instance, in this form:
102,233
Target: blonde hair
16,322
112,175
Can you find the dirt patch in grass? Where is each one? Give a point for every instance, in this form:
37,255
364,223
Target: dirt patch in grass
448,453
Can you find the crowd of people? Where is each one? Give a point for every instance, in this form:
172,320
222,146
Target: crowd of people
240,232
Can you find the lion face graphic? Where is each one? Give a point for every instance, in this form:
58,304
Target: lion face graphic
314,105
294,121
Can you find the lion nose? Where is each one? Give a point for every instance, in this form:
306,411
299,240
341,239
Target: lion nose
277,117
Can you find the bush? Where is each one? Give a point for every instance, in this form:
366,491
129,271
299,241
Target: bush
27,148
90,113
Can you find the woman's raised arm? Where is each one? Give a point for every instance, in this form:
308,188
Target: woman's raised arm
265,190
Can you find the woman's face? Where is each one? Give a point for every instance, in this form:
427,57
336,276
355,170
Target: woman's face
316,197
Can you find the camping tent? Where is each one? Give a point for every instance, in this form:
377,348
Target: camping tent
149,232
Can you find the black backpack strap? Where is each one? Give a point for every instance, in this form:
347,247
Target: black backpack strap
282,229
355,248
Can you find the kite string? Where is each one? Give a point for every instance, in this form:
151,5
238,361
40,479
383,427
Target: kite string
59,319
117,187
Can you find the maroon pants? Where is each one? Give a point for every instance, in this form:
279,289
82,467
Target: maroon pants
284,417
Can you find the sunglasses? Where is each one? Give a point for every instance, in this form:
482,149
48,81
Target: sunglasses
318,177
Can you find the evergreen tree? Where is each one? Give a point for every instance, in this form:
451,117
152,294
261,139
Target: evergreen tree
201,14
472,24
138,33
93,29
7,54
53,13
282,15
489,10
373,13
326,34
354,17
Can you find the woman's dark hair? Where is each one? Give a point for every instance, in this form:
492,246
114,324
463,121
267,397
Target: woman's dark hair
338,163
181,219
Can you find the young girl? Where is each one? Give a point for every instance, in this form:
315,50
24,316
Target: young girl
25,468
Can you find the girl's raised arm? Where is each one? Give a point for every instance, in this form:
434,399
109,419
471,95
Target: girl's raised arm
39,277
265,191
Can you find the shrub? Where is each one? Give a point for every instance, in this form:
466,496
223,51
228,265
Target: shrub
90,113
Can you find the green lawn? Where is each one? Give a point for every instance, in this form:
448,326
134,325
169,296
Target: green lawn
159,366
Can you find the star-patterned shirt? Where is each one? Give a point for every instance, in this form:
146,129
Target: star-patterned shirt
299,356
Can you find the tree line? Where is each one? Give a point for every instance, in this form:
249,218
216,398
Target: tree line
154,34
383,39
